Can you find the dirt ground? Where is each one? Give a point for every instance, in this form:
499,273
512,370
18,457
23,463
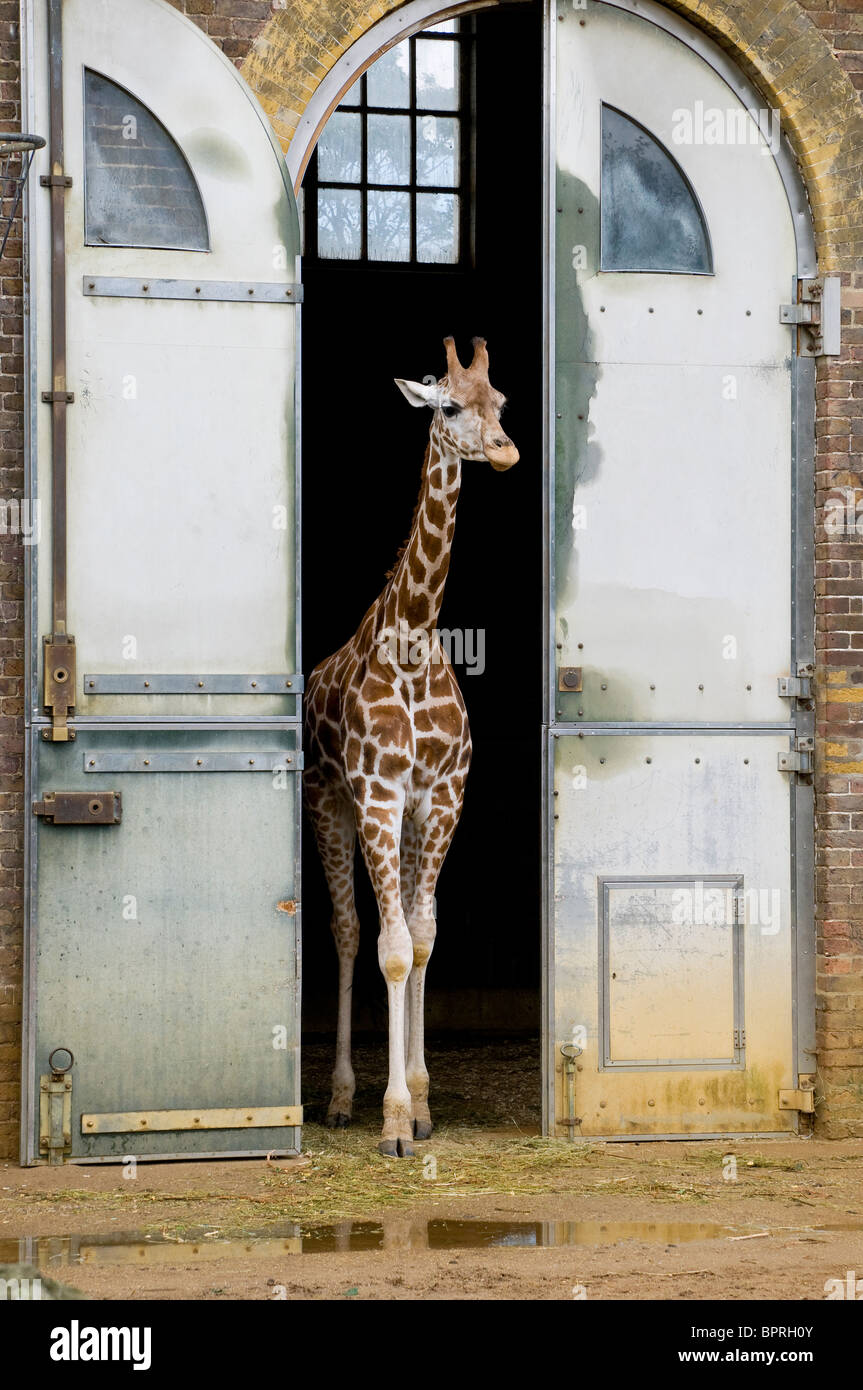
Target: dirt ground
598,1221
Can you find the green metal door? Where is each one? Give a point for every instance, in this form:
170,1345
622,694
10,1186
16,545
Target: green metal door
164,714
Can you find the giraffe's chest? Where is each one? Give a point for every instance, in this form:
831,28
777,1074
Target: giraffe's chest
414,732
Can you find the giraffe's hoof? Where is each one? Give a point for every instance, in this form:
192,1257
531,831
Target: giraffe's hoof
338,1120
423,1129
396,1148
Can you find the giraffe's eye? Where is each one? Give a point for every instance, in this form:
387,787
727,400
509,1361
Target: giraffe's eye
450,411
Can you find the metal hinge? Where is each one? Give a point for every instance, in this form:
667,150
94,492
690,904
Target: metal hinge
817,314
798,687
80,808
739,1039
800,759
802,1099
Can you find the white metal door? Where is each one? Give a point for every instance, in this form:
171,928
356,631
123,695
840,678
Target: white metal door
674,595
162,945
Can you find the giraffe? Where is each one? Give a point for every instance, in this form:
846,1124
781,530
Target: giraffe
388,750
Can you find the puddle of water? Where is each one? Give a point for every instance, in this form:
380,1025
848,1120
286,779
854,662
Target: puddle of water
396,1233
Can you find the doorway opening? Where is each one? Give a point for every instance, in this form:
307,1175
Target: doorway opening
367,321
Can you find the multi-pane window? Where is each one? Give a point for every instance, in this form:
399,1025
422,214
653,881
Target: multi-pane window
390,175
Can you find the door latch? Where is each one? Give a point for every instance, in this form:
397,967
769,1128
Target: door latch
58,652
800,759
80,808
817,316
55,1110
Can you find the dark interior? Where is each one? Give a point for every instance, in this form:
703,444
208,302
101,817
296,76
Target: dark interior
362,457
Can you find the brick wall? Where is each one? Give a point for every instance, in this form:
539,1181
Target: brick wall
284,47
232,24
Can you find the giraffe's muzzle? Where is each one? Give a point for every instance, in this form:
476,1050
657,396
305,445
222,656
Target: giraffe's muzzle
501,453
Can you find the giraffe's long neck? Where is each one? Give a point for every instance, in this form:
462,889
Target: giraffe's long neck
415,592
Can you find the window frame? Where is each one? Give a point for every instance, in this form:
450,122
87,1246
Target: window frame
463,38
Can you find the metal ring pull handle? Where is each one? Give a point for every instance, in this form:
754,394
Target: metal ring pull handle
61,1071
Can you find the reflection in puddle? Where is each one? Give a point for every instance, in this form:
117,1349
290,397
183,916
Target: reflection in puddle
395,1233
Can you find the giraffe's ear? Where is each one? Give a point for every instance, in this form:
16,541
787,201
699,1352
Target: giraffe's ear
419,392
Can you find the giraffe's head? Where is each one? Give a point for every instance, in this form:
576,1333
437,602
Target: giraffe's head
467,408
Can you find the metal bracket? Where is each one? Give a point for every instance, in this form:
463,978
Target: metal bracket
58,397
798,687
817,315
55,180
80,808
801,759
803,1099
58,697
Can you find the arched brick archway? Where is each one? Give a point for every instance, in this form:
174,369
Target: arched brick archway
776,44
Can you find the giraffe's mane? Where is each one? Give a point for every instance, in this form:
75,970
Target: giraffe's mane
391,573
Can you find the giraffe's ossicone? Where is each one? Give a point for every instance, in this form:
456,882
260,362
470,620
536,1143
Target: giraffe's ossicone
387,749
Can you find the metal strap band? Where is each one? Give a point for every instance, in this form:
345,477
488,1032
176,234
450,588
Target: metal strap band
144,1121
256,760
160,684
233,291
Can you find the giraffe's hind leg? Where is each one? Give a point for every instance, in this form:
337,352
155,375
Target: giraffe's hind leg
332,818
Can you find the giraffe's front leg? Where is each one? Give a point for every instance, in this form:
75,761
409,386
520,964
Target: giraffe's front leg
435,838
422,927
379,834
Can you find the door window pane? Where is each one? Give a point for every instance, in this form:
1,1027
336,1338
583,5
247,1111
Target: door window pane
388,148
650,217
138,187
437,227
339,148
389,225
340,216
437,74
388,80
437,150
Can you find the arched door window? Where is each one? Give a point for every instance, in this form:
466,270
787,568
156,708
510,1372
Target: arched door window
139,189
649,214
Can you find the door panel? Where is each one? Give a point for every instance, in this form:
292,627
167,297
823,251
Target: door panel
160,954
674,893
163,947
182,518
673,548
659,835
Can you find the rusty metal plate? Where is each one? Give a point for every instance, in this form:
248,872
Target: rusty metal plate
139,1121
80,808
